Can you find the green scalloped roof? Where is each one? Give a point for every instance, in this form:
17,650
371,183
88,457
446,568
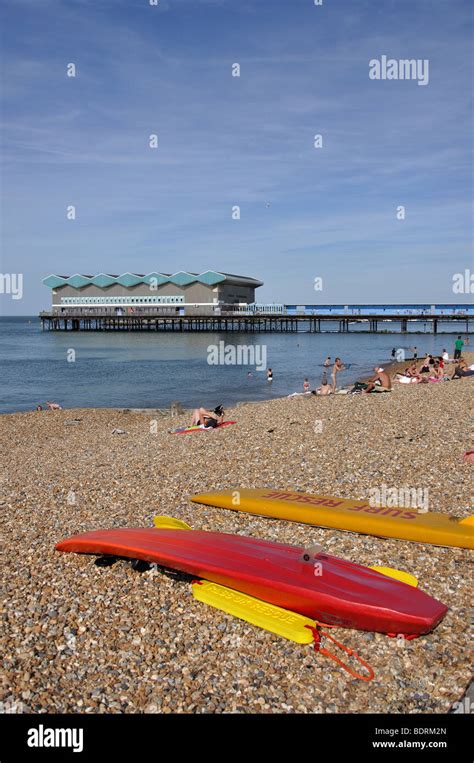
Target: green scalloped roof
53,281
181,278
159,278
77,281
210,277
103,280
129,279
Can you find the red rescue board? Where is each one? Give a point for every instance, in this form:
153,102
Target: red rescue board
325,588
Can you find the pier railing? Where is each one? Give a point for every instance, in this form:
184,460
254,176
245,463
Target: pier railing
284,311
158,311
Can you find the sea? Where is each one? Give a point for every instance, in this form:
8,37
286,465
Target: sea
152,369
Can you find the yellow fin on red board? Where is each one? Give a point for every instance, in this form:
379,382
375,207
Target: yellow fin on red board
403,577
170,523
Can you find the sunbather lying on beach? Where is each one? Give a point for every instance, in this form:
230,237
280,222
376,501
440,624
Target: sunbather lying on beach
403,379
462,370
380,382
208,418
409,376
53,406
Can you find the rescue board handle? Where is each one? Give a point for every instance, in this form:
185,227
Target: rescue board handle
317,633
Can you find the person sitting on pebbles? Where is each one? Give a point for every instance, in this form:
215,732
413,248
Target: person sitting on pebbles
436,373
383,379
324,388
412,372
208,419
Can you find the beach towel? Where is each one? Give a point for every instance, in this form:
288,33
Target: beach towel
199,428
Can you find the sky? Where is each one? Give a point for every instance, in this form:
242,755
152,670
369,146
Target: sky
331,212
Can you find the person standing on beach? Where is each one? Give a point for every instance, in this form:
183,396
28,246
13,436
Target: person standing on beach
415,353
306,385
458,345
338,366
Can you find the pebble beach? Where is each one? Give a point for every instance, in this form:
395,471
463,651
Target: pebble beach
79,638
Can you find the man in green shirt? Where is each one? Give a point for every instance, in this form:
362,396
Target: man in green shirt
458,345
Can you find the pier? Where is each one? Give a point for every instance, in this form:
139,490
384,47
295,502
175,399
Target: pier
242,321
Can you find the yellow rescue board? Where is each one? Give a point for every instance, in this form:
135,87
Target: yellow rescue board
284,623
343,514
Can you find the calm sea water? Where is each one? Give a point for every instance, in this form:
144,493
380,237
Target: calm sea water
147,370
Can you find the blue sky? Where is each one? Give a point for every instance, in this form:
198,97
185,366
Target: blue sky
244,141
